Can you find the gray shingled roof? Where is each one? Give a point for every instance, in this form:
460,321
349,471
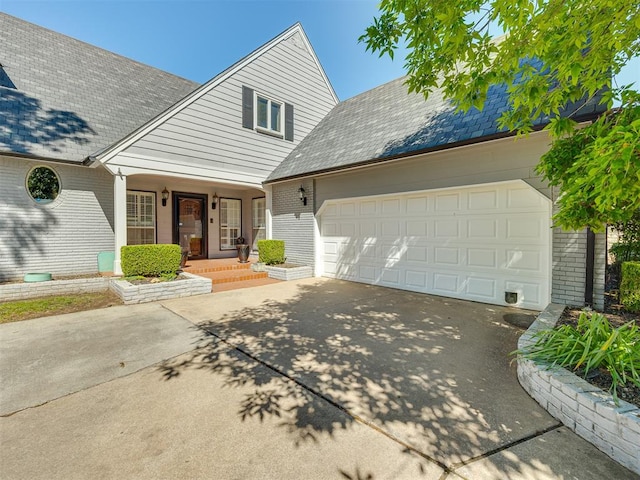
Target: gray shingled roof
387,122
63,99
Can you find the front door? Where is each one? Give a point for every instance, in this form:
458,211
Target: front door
190,223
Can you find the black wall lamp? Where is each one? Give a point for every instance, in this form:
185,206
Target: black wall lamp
165,196
214,201
303,197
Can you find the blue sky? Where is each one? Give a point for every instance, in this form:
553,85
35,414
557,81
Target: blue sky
198,39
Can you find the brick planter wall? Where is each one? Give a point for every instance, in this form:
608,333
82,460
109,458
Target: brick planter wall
584,408
130,293
22,291
295,273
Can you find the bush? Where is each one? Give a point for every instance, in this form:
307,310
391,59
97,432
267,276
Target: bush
271,252
626,251
593,344
150,260
630,286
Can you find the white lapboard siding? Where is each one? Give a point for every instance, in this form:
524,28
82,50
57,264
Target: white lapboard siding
208,134
474,243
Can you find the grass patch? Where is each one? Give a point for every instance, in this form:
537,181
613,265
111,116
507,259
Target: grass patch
56,305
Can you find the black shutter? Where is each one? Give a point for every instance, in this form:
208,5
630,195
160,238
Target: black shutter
247,107
288,122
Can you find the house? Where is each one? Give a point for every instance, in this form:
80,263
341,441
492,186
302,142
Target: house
409,194
136,155
98,151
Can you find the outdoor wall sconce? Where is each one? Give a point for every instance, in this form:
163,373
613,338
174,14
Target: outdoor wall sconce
214,201
303,198
165,196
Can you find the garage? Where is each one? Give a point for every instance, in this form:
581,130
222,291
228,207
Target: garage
489,243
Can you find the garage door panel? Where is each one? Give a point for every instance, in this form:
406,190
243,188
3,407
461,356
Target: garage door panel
524,259
482,257
418,228
446,229
368,208
447,202
482,200
416,278
474,242
484,288
482,228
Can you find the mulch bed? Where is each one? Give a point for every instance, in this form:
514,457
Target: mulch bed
617,316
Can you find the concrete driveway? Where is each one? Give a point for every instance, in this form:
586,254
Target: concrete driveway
307,379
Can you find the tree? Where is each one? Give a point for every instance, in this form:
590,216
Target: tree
555,52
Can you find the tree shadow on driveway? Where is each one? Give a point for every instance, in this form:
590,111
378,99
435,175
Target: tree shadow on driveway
432,373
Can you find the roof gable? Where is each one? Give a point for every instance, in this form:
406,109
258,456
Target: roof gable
295,30
63,99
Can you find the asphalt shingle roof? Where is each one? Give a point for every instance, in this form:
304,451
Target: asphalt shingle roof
387,122
64,99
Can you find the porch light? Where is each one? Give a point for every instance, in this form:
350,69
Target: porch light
214,201
303,198
165,196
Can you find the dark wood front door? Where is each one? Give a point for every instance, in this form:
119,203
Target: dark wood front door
190,223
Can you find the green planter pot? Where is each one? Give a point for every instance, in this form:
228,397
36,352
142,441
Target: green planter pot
37,277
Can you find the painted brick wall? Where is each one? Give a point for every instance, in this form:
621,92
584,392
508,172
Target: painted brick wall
293,222
63,237
569,265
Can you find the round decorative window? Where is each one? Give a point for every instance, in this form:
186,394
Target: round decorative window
43,185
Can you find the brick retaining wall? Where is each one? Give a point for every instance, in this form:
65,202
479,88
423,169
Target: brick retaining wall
584,408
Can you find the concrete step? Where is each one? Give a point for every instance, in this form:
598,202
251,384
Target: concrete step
200,269
232,275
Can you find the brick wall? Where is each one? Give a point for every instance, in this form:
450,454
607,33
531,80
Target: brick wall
569,268
63,237
293,222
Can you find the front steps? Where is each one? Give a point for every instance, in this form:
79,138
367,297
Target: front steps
228,274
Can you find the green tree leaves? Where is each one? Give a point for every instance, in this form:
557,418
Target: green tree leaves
555,52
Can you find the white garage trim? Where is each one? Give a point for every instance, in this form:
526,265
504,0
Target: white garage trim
474,243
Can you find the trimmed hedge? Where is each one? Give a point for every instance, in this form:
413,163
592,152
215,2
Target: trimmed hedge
271,252
150,260
630,286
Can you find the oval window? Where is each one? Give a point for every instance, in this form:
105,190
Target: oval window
43,185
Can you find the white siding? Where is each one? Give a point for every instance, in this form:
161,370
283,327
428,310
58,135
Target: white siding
63,237
208,134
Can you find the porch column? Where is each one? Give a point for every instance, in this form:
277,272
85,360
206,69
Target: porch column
119,218
268,200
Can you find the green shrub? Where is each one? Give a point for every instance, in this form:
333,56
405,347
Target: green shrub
271,252
593,344
150,260
630,286
626,251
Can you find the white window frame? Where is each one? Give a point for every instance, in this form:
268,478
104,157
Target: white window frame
258,220
279,132
138,221
227,227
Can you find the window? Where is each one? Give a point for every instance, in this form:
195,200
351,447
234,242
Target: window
43,185
230,222
268,114
141,218
264,115
258,221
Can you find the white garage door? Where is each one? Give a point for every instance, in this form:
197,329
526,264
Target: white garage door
489,243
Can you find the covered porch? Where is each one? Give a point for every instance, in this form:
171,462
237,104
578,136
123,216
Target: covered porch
204,217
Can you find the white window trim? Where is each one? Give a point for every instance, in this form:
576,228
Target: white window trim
229,226
138,194
269,131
